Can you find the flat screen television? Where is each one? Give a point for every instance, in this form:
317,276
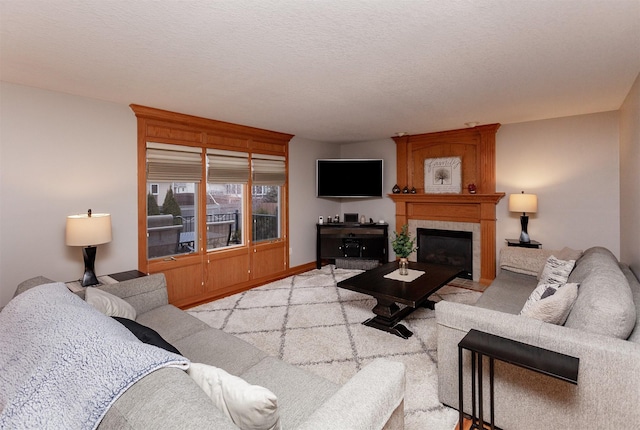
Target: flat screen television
349,178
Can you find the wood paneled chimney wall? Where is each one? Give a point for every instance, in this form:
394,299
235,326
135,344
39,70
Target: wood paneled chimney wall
476,148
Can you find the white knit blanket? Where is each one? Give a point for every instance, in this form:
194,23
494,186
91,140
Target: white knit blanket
63,363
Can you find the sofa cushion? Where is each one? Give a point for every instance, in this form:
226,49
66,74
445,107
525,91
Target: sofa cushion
108,304
144,293
556,271
508,292
146,334
250,407
30,283
166,399
554,304
605,302
592,260
172,323
529,261
217,348
299,392
635,291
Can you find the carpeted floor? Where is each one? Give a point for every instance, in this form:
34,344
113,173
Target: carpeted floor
307,321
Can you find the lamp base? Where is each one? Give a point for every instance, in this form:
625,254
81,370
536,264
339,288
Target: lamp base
89,278
524,222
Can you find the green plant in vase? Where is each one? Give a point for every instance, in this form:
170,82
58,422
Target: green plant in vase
403,245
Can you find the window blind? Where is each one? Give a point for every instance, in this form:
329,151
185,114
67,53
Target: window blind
173,163
227,167
268,169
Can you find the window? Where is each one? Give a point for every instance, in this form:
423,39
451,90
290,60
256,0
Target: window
174,173
227,178
268,177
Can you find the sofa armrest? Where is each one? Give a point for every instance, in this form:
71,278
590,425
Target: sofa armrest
372,399
608,375
144,293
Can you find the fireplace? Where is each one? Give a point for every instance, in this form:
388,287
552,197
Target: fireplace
448,247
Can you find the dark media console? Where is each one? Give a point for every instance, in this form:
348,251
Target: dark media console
352,240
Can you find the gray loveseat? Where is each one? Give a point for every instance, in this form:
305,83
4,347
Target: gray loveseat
602,330
169,399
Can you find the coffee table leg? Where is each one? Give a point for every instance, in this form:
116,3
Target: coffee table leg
388,314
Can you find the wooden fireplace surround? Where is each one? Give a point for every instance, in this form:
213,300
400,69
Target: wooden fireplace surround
476,147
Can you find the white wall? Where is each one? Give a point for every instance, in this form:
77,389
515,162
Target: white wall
304,207
629,181
61,155
572,165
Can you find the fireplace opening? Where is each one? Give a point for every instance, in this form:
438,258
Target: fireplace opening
448,247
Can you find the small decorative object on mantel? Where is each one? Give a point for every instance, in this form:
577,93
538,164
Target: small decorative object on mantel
413,190
442,175
472,188
403,245
405,190
395,189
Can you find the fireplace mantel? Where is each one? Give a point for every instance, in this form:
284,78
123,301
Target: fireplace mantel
473,208
476,148
446,207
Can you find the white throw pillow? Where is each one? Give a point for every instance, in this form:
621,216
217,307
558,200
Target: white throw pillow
556,271
250,407
565,253
536,295
554,304
108,304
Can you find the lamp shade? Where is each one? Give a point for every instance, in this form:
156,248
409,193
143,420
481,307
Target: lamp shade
523,203
88,229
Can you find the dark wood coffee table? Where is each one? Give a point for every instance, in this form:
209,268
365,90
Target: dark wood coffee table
390,293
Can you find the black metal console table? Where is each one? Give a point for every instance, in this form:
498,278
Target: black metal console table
554,364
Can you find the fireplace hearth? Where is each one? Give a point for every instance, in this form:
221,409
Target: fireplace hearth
448,247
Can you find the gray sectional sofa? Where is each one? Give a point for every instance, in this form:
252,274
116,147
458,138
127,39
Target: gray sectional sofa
602,330
168,398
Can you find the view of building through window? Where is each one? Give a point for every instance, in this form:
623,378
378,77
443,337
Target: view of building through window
172,216
224,215
265,213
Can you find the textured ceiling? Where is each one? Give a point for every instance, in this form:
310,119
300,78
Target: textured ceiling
331,70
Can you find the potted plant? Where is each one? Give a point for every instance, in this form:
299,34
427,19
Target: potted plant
403,245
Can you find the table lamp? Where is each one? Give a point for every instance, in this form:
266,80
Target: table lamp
88,230
523,203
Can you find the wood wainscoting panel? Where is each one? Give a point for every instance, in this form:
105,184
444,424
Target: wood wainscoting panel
226,269
268,259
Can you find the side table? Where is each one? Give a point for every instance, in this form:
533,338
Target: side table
75,286
554,364
516,242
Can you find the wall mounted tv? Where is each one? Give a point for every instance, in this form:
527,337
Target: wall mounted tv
346,177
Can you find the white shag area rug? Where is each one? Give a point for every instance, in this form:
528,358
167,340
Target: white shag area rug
306,320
